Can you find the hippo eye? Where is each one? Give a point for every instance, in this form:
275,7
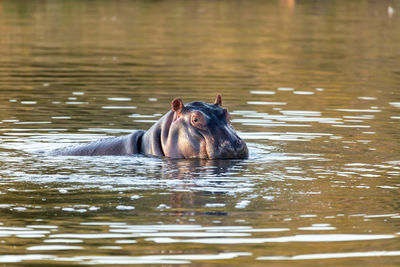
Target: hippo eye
198,120
195,120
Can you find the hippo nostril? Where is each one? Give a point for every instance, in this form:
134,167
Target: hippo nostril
239,144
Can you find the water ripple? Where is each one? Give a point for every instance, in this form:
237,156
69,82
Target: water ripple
322,256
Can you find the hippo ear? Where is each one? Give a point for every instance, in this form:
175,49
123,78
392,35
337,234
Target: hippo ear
218,100
177,105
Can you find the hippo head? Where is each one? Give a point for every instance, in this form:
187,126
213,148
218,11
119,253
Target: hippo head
201,130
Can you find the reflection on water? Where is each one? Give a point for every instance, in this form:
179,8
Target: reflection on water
312,88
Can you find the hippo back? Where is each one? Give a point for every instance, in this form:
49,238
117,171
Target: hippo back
121,145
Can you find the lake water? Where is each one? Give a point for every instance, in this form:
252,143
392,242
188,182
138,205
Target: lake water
313,87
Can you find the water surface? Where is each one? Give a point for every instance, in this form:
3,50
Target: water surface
312,87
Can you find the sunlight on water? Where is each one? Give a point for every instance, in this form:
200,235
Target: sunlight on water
334,255
168,233
297,238
309,87
154,259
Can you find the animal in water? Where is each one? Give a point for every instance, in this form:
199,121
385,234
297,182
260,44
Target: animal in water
196,130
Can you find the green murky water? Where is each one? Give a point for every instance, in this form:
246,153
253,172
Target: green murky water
313,87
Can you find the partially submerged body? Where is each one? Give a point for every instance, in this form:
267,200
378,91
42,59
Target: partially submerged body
195,130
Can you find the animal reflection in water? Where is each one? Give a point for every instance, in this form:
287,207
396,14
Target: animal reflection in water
215,174
195,130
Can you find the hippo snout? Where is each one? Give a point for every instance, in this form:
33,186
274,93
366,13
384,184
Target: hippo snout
233,149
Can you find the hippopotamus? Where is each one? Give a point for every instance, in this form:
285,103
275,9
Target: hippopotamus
195,130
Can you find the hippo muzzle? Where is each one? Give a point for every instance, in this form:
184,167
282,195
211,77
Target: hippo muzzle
224,143
236,149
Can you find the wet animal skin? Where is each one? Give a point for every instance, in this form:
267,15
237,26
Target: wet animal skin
194,130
